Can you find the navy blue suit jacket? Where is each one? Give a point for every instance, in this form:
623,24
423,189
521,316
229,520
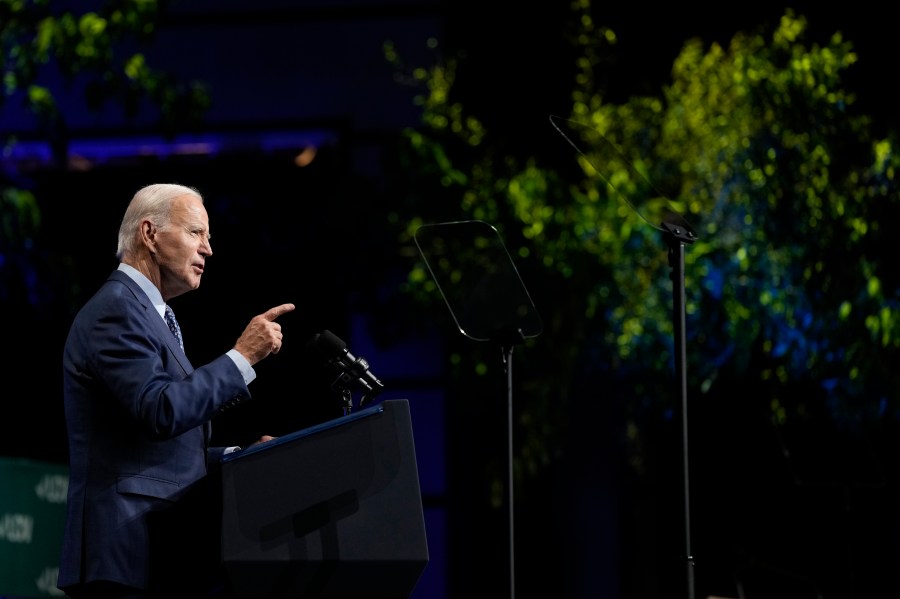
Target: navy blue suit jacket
138,419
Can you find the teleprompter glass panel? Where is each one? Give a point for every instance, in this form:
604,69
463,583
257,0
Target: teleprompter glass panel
478,280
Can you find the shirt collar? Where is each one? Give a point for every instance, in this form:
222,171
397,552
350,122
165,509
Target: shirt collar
148,287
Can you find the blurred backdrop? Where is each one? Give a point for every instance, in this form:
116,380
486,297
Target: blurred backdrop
322,134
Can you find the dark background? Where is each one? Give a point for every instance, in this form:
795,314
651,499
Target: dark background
287,74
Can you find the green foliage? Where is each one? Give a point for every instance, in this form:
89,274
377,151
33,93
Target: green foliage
99,48
22,213
97,51
789,284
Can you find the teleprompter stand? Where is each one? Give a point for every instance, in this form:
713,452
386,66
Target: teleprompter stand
677,233
334,510
488,302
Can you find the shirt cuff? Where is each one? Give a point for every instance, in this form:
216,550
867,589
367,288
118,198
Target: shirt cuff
243,365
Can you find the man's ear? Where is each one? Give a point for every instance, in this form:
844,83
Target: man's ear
148,235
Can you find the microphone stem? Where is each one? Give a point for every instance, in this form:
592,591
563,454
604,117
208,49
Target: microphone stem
348,401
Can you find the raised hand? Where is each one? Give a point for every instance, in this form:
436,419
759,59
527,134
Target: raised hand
263,335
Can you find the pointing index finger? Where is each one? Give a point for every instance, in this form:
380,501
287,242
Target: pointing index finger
273,313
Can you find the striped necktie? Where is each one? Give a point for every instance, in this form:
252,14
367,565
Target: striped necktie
173,326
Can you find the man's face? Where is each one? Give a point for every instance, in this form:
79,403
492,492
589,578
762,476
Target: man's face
183,247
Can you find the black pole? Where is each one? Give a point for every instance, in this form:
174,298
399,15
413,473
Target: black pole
508,340
507,360
676,238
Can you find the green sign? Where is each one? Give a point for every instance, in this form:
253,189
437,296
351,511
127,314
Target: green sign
32,516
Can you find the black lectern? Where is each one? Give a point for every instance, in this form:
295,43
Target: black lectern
334,510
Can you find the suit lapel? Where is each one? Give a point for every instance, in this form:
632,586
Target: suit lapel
162,329
159,325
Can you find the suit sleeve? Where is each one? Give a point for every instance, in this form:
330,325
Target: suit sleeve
156,387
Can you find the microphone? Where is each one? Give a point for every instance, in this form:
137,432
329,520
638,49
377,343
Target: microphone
351,367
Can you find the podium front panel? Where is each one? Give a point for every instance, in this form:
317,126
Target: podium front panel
330,511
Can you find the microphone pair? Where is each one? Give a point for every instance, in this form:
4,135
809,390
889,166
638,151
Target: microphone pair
352,369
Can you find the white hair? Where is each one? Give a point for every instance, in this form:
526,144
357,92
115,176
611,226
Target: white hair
152,202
